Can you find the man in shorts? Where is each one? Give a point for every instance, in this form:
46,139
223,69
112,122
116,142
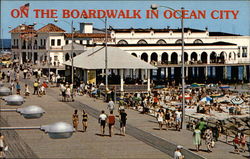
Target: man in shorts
111,121
123,119
102,121
178,119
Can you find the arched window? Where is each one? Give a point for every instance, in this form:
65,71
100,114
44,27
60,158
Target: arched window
122,42
174,58
67,57
161,41
179,41
142,42
144,57
134,54
204,57
198,41
154,57
164,58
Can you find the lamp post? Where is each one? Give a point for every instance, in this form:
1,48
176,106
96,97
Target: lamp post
58,130
72,47
48,53
106,57
154,7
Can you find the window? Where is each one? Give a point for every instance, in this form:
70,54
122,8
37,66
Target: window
198,41
52,42
244,51
122,42
44,42
142,42
16,42
161,41
67,42
55,58
239,51
80,41
41,42
58,42
179,41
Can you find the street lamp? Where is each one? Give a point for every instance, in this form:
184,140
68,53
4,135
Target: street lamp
48,54
4,91
58,130
29,112
14,100
154,7
72,47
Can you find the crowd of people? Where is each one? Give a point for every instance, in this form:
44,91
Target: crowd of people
157,103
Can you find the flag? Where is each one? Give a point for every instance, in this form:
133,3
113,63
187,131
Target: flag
25,7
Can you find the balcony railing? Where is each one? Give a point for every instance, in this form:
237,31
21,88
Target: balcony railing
14,47
42,47
56,47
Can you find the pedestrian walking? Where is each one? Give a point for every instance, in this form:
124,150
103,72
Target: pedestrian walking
35,85
68,94
84,120
3,76
75,120
25,71
8,76
26,90
63,92
167,119
236,143
208,138
197,138
111,105
202,126
123,121
160,116
12,86
2,154
177,153
102,120
18,88
111,122
178,115
243,142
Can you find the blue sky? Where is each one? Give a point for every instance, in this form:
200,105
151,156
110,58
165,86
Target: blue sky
241,25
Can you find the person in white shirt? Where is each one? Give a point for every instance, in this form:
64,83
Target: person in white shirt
111,105
177,153
178,119
102,121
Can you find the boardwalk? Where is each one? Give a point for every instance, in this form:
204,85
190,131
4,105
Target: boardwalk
143,139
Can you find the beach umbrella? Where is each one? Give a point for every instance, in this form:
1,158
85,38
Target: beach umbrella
237,100
159,87
224,87
206,99
195,85
217,95
187,97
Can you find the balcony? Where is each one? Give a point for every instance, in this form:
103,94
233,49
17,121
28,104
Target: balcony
56,48
42,47
14,47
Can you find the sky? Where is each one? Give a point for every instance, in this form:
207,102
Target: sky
241,25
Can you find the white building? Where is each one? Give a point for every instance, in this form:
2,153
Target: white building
160,47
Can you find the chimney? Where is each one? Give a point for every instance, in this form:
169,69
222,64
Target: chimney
86,27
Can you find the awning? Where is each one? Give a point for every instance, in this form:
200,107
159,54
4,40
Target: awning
94,58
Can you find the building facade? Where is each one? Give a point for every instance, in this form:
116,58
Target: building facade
213,56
